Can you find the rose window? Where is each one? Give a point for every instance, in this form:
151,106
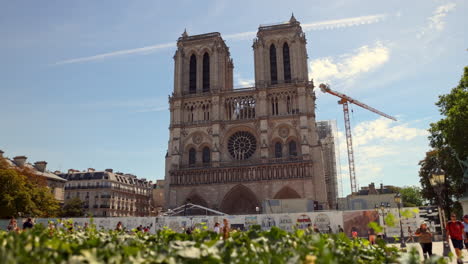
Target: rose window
242,145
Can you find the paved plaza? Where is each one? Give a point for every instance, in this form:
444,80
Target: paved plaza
437,249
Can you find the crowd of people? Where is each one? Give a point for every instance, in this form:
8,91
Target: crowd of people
456,232
13,225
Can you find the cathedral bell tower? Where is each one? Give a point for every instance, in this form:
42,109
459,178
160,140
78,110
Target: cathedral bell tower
280,54
202,64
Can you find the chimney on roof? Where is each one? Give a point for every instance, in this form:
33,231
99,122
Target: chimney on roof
91,170
110,170
20,160
1,153
372,189
40,165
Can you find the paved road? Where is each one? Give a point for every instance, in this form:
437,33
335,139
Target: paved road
438,249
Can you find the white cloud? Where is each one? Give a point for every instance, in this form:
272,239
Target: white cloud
348,67
379,145
328,24
385,130
242,82
436,22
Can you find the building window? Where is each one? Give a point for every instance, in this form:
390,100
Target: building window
286,63
193,74
273,68
274,106
278,150
206,72
288,105
206,155
192,156
292,148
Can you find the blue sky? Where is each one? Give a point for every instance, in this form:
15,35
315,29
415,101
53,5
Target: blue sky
85,83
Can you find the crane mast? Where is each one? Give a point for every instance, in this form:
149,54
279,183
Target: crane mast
349,140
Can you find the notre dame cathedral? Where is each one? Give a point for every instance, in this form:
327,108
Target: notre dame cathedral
230,149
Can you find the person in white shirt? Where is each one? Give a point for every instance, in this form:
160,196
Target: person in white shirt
217,228
465,223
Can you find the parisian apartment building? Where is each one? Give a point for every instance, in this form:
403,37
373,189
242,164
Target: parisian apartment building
107,194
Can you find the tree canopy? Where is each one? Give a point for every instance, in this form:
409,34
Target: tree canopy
449,140
411,196
73,208
23,192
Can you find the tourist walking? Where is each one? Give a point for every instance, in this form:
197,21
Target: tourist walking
465,223
13,226
425,239
354,233
410,235
217,228
371,233
119,226
340,229
455,230
28,224
226,229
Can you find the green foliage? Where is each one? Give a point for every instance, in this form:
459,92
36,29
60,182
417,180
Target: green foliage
21,191
377,228
390,220
451,130
411,196
449,139
409,213
14,194
43,245
73,208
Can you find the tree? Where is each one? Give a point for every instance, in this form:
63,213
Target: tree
15,197
451,131
411,196
441,158
448,138
73,208
22,191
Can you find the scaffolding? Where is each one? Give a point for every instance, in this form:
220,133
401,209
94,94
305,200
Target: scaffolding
327,133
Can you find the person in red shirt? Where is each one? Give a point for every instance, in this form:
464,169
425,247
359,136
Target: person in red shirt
455,231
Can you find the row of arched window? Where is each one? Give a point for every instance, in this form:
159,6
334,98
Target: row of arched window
206,156
292,149
286,64
205,74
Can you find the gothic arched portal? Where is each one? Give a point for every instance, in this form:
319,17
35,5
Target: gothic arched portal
287,193
239,200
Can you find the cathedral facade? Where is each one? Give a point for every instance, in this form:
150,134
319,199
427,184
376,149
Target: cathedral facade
230,149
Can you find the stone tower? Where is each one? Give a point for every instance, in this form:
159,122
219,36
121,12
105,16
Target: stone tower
230,149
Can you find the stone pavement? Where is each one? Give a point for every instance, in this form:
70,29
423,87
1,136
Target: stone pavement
437,249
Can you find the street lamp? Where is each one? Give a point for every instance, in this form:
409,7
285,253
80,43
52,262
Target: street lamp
383,210
437,181
402,236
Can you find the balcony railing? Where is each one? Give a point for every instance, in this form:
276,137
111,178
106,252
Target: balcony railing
249,162
275,169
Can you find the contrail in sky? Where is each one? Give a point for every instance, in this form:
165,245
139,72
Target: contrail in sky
328,24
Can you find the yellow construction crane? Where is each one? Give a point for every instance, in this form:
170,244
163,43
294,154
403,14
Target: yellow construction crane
349,141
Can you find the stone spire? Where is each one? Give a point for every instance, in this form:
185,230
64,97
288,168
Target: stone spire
184,35
292,19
